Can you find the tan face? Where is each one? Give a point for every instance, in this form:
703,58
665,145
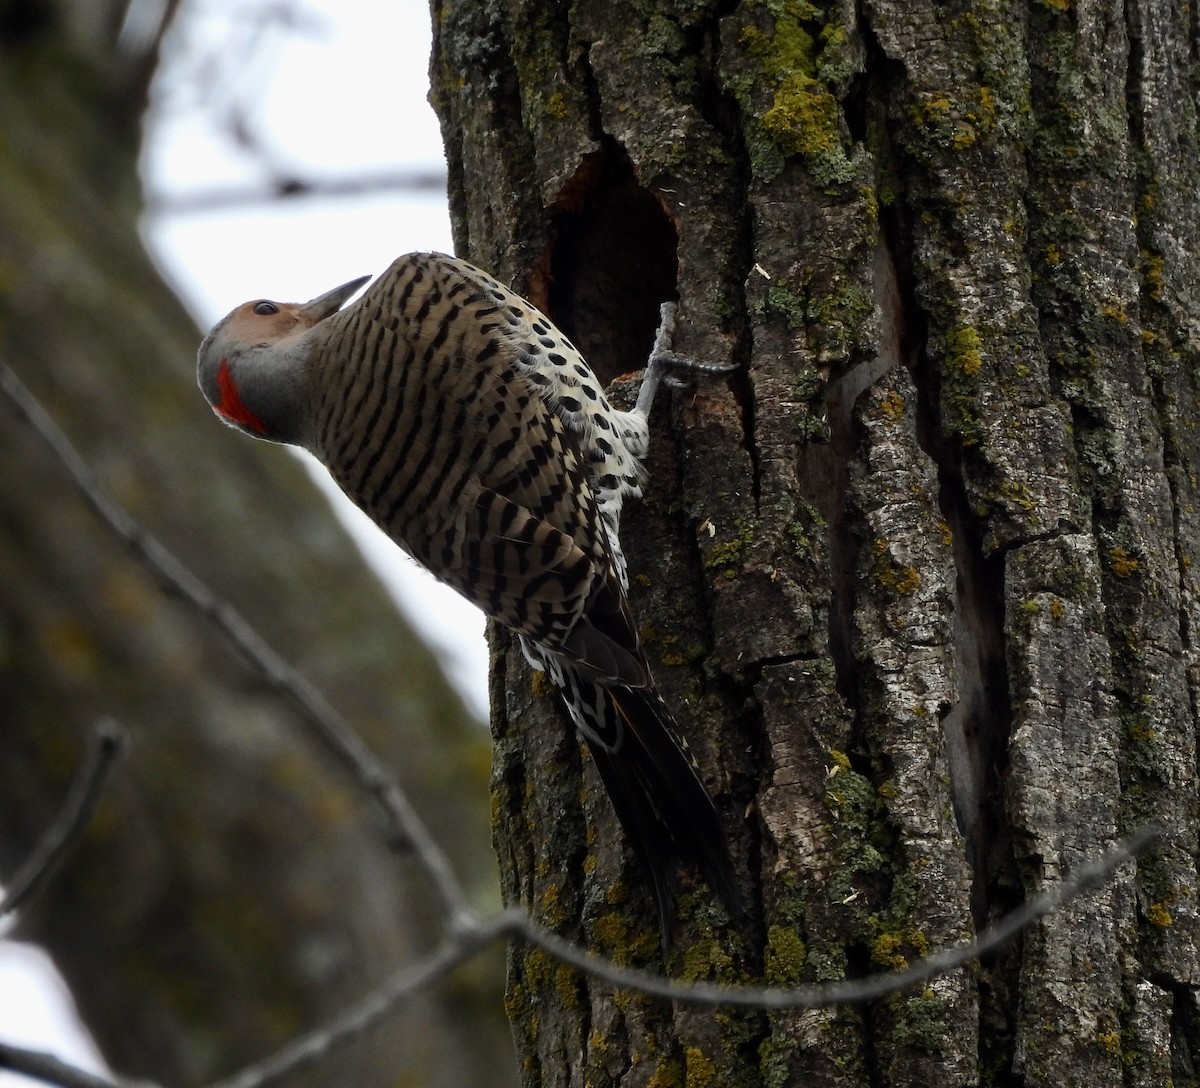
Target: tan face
224,367
244,363
262,323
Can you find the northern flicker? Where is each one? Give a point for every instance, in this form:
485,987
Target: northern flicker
473,433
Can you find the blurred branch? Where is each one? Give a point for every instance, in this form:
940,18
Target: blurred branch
467,935
1091,874
51,1070
377,1005
286,187
105,742
467,942
406,826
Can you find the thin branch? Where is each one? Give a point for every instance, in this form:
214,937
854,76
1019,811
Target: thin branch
1090,874
375,1007
407,829
52,1070
105,742
468,942
290,187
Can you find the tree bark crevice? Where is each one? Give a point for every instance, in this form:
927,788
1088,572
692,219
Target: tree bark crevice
936,529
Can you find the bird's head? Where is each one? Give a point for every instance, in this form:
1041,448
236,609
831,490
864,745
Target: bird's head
251,365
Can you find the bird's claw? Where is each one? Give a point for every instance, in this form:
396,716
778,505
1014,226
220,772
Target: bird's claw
662,361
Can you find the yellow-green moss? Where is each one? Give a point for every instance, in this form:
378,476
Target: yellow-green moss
1152,272
888,948
730,553
539,967
551,912
892,404
566,985
699,1071
616,893
964,349
1122,563
785,957
804,116
901,579
1141,731
621,944
929,108
1014,492
1157,914
787,51
705,959
668,1073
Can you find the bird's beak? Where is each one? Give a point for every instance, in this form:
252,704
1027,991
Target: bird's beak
326,305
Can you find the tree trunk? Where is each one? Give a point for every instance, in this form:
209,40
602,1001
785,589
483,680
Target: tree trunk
917,578
235,888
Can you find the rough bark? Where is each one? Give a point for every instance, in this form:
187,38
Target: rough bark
917,579
235,888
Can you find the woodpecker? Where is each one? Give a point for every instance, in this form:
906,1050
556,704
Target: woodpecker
470,429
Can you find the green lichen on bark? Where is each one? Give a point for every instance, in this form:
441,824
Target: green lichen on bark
795,62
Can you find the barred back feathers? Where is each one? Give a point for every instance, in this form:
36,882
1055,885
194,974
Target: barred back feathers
473,433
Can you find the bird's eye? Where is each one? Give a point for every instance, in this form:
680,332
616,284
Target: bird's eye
263,309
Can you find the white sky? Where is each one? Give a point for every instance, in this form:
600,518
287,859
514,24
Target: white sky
341,96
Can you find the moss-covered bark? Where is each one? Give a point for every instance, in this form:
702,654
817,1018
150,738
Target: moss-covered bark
917,579
235,887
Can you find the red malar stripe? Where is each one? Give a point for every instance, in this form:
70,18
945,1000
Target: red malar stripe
231,405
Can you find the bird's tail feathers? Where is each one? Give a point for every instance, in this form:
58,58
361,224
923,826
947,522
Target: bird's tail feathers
656,790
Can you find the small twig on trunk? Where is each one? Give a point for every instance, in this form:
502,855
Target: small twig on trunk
105,743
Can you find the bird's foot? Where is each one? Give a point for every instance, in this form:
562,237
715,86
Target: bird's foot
666,366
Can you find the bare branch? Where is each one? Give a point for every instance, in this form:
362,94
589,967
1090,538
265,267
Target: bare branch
105,742
407,829
376,1006
467,934
291,187
52,1070
515,923
1089,875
